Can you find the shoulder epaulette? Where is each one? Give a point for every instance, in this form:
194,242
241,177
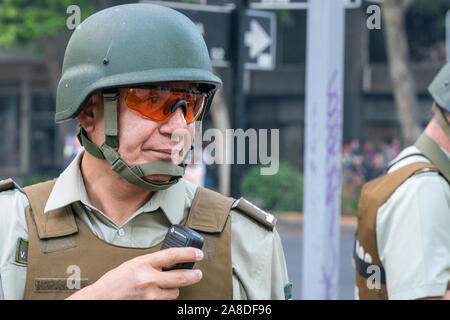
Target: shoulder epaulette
9,184
248,208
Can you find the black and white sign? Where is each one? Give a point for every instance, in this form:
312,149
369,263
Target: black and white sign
213,18
260,39
203,5
227,3
215,28
298,4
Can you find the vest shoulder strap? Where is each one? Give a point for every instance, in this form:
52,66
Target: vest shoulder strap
9,184
248,208
209,211
56,223
432,150
382,187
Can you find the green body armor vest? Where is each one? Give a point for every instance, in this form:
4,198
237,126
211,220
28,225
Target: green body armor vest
59,240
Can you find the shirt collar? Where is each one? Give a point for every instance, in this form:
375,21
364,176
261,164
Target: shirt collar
69,188
172,202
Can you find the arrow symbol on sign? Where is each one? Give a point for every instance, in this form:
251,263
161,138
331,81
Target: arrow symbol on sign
257,39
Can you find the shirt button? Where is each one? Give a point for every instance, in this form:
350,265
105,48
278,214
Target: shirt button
121,232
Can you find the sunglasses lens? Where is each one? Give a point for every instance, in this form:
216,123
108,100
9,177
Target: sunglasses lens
156,104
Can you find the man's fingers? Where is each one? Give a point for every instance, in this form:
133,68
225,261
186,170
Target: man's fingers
179,278
171,256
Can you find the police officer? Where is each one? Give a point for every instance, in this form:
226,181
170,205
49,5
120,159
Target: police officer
402,249
134,75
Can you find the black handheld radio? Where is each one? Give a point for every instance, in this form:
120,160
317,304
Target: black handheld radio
181,236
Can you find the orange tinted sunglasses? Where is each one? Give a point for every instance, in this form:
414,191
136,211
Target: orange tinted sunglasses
158,103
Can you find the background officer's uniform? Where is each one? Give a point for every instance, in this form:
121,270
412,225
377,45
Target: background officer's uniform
413,235
258,264
402,245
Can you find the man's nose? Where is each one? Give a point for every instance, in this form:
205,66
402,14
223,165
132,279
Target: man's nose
175,121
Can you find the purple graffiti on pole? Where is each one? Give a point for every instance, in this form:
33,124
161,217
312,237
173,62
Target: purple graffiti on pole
334,129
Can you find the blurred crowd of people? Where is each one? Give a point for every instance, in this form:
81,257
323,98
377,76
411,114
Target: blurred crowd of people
361,162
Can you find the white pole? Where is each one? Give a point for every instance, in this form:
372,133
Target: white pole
322,153
25,111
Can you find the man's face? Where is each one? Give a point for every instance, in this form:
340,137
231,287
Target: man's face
143,140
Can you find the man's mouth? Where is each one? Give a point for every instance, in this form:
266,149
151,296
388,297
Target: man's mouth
164,151
163,154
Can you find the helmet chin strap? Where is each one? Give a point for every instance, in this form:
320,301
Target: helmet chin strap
442,120
109,151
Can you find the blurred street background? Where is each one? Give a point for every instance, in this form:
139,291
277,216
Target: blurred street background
264,74
290,228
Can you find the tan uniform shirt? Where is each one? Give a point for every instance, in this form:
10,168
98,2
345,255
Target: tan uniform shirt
413,234
259,267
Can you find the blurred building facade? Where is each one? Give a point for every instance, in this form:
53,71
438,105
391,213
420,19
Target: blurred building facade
277,99
30,142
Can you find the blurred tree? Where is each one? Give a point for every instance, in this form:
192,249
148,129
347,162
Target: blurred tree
398,58
425,25
425,28
22,21
280,192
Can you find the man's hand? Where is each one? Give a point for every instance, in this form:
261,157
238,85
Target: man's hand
142,278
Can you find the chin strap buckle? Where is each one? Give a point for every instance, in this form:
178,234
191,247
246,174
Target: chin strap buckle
111,115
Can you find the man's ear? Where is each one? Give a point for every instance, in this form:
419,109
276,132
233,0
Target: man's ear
91,112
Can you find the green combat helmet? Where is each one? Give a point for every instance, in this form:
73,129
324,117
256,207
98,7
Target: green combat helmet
132,44
440,91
